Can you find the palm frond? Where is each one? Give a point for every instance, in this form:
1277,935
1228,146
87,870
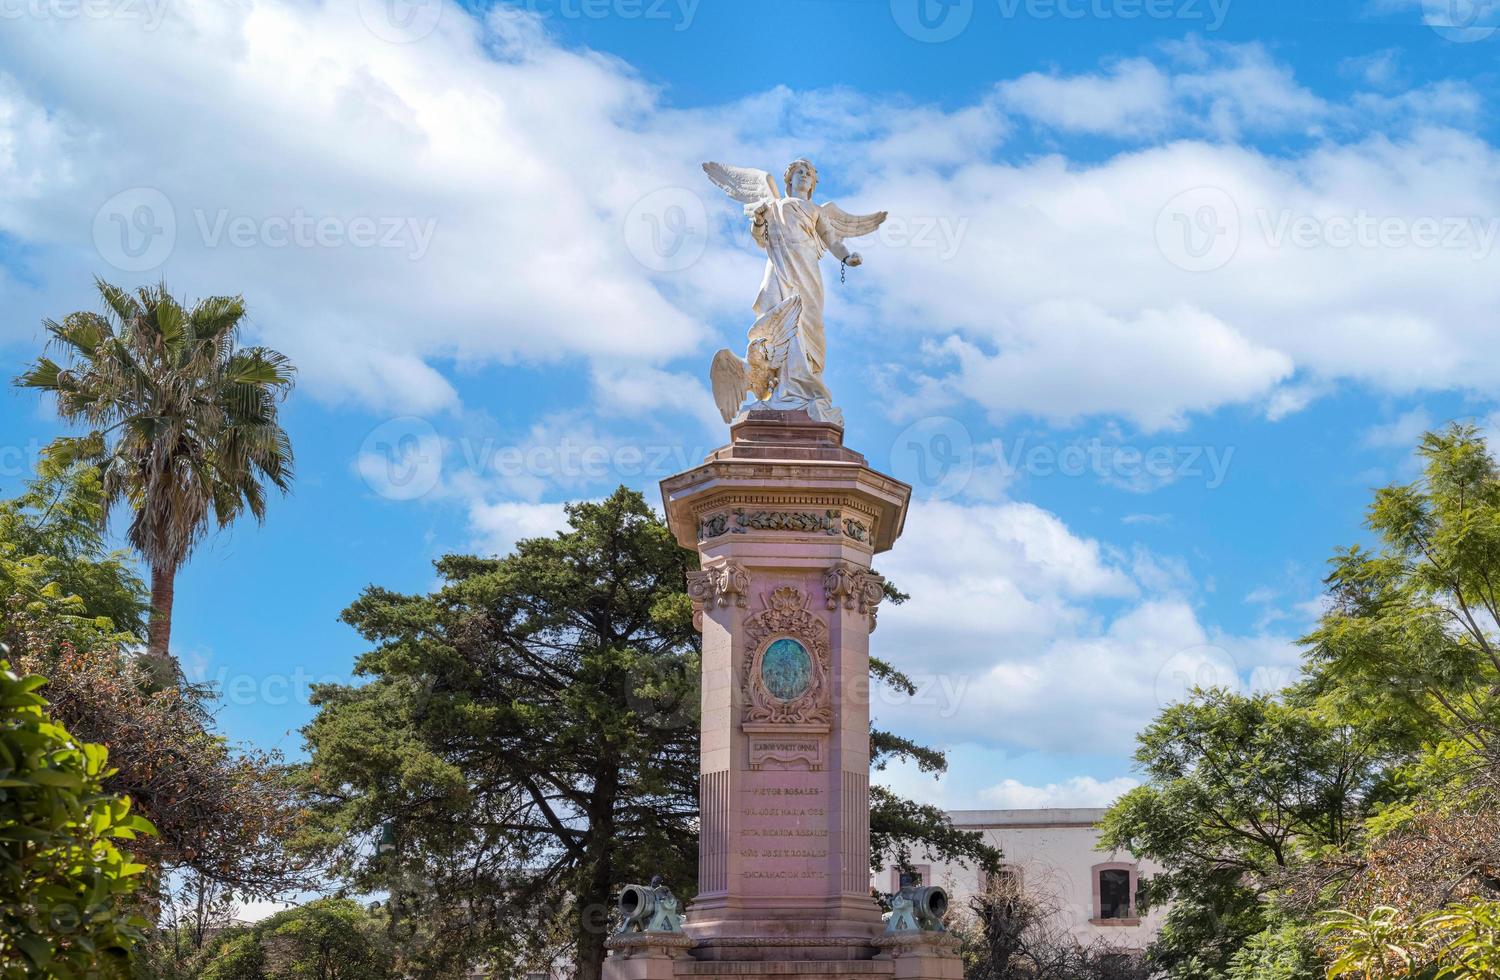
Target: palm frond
185,427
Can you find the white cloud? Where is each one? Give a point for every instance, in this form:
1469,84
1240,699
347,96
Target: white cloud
1133,98
1378,68
1218,89
1153,369
498,526
1079,791
990,576
256,911
1044,281
1024,635
264,115
1076,289
1402,432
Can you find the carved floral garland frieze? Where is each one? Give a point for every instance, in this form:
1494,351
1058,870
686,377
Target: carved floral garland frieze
831,522
786,616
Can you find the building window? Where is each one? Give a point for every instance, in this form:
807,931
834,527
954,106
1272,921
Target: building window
1008,880
918,876
1114,894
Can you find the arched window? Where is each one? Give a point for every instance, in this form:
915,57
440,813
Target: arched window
1114,894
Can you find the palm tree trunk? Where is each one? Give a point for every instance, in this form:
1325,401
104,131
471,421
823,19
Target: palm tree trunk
159,631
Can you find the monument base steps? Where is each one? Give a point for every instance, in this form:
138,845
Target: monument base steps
907,963
787,969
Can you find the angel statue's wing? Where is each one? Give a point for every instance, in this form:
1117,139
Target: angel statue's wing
848,225
730,378
745,184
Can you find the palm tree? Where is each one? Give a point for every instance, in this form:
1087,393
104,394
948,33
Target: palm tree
183,423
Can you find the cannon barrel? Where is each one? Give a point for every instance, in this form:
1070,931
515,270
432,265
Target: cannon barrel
637,904
930,905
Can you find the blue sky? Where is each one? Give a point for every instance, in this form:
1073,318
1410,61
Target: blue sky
1167,287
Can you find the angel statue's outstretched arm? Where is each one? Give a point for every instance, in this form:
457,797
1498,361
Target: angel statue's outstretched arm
835,224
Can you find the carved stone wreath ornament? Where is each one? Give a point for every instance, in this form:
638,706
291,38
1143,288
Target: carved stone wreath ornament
786,617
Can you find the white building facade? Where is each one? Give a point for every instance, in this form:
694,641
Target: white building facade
1053,854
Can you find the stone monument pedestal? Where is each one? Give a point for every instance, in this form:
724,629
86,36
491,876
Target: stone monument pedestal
786,520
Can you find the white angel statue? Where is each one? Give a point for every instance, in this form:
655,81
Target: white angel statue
795,233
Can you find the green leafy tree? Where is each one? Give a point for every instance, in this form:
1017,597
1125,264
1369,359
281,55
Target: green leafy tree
64,884
527,740
1409,644
55,568
1456,943
183,423
327,939
1409,649
1286,952
1240,791
70,610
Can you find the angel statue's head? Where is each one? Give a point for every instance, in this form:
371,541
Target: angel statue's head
801,179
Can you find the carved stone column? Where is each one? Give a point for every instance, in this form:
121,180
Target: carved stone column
786,522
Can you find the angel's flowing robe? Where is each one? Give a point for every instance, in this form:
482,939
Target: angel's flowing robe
796,235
